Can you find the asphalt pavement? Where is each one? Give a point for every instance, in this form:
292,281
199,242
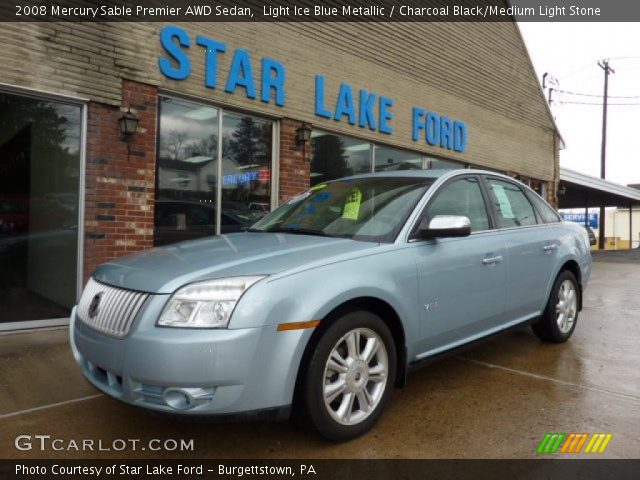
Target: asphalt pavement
495,401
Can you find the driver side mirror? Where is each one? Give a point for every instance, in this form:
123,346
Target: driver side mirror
442,226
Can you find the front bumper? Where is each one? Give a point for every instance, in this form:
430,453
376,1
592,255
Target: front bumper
191,371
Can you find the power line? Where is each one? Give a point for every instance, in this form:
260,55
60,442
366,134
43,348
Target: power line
596,103
581,94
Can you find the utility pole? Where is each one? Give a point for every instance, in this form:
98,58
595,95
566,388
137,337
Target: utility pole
604,65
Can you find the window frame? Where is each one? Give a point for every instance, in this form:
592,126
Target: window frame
492,221
222,109
83,103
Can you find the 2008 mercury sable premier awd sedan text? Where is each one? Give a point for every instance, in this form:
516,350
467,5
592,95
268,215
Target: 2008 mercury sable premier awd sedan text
323,305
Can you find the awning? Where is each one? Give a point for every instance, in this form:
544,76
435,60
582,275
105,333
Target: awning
578,190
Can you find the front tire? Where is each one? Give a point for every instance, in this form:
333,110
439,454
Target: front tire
561,314
349,377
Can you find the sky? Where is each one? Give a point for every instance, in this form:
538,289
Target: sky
570,52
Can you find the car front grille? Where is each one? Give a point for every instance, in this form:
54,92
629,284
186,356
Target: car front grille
108,309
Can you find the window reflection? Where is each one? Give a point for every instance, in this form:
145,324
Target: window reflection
390,159
439,163
246,170
186,197
39,196
186,205
336,156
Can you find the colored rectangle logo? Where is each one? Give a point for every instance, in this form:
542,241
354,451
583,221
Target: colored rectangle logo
573,443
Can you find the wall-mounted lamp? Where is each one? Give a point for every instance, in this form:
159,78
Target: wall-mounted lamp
562,190
303,135
128,123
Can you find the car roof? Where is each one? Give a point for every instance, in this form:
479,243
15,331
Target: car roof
431,173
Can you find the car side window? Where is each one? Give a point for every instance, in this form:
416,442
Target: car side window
461,197
547,213
512,206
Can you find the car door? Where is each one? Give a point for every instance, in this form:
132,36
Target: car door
531,248
461,281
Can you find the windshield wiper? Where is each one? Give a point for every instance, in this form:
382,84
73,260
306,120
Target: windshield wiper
298,231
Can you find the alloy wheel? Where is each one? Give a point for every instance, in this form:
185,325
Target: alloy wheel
567,306
355,376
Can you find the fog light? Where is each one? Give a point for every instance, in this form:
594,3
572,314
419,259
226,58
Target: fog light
177,399
186,398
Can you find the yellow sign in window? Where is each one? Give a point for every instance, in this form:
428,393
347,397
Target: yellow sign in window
352,205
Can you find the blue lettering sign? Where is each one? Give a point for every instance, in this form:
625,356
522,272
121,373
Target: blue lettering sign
167,36
275,81
439,130
446,133
385,115
367,101
241,74
459,136
176,65
321,111
210,59
436,130
344,105
417,123
432,129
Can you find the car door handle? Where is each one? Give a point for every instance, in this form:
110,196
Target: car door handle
492,260
550,247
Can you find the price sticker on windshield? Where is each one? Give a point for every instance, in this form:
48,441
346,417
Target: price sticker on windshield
352,205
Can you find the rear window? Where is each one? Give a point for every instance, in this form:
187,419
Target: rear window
547,213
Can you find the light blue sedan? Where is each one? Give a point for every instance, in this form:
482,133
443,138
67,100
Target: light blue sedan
322,307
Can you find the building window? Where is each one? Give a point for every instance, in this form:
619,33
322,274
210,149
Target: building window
40,168
188,181
246,170
439,163
388,159
336,156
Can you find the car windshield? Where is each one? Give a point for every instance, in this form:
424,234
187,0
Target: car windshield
369,208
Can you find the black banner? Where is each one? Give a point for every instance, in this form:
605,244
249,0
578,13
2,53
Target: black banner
320,10
321,469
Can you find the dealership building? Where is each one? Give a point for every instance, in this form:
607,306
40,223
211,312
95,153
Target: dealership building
117,137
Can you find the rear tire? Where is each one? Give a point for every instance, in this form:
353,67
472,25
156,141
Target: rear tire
561,313
348,377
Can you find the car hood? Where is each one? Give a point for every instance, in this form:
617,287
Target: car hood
164,269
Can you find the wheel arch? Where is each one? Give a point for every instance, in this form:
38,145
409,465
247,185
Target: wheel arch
372,304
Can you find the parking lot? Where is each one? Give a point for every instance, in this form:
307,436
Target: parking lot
495,401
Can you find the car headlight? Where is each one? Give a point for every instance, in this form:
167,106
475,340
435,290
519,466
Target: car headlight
205,304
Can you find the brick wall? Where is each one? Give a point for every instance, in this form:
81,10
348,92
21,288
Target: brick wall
294,169
120,184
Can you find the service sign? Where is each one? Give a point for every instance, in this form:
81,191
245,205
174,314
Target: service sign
579,218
